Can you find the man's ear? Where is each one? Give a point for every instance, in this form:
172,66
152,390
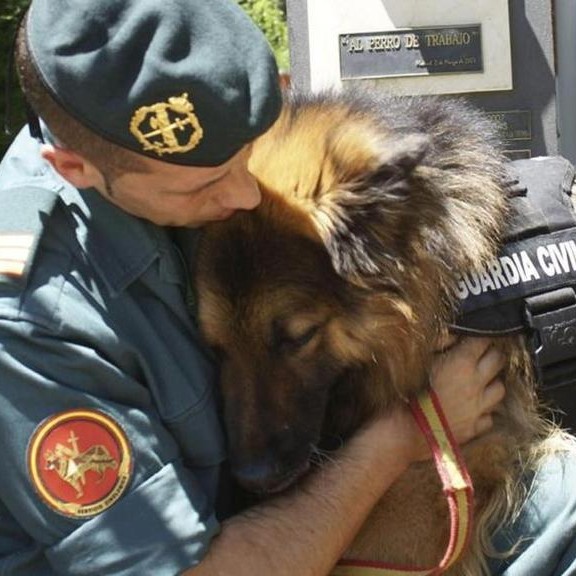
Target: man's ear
71,166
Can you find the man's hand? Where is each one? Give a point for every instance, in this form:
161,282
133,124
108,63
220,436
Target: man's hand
466,380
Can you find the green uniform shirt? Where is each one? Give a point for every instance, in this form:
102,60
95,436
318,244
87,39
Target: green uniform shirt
96,322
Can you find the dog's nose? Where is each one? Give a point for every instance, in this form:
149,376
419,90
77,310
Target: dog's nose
267,476
256,476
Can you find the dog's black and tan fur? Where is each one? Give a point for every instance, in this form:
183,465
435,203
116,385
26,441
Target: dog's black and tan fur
325,303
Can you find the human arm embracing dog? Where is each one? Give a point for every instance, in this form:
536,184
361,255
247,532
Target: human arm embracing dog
307,530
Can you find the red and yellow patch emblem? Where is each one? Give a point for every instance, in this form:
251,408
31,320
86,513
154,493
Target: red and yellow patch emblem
80,462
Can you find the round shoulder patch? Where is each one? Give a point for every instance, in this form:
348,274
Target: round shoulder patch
80,462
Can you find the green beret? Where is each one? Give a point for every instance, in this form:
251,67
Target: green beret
183,81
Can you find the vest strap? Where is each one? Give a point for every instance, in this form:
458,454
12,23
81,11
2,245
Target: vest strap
552,318
529,288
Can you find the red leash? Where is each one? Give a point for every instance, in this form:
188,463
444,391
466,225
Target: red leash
456,485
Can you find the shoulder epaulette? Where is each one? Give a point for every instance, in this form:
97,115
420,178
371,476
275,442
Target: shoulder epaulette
23,214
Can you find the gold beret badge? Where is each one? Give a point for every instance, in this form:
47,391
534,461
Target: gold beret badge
167,127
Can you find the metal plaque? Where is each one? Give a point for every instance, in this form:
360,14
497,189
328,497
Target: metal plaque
516,131
516,124
411,52
439,64
522,154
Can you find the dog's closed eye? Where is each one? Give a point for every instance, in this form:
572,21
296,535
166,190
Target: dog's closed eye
293,338
302,339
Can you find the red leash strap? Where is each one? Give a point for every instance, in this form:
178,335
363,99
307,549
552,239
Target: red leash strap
456,485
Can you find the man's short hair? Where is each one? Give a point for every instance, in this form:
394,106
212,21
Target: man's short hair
109,158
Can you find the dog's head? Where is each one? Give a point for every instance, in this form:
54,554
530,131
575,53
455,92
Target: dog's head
285,326
322,302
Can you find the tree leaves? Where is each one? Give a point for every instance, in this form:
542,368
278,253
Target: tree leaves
10,11
270,16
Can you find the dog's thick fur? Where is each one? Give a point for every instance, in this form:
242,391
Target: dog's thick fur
325,303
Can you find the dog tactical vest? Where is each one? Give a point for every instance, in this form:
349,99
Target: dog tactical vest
530,286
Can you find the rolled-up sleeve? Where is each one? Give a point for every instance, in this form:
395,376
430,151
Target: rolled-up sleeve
161,528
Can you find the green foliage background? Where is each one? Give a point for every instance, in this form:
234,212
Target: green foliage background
9,13
269,15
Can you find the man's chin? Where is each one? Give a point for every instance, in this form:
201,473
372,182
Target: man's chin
219,217
194,223
224,215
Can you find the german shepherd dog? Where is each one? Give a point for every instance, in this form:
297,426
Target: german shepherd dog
325,303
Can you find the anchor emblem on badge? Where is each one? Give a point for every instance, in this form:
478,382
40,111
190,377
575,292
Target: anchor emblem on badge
167,127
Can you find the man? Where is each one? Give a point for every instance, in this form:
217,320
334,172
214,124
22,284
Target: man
112,451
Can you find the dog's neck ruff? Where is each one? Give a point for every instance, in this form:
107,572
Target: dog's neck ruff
530,286
456,485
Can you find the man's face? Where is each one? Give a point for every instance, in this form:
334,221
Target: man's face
172,195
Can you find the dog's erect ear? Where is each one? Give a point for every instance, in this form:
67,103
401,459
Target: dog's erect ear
403,154
366,223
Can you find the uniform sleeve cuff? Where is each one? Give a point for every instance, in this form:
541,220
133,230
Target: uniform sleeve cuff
162,527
